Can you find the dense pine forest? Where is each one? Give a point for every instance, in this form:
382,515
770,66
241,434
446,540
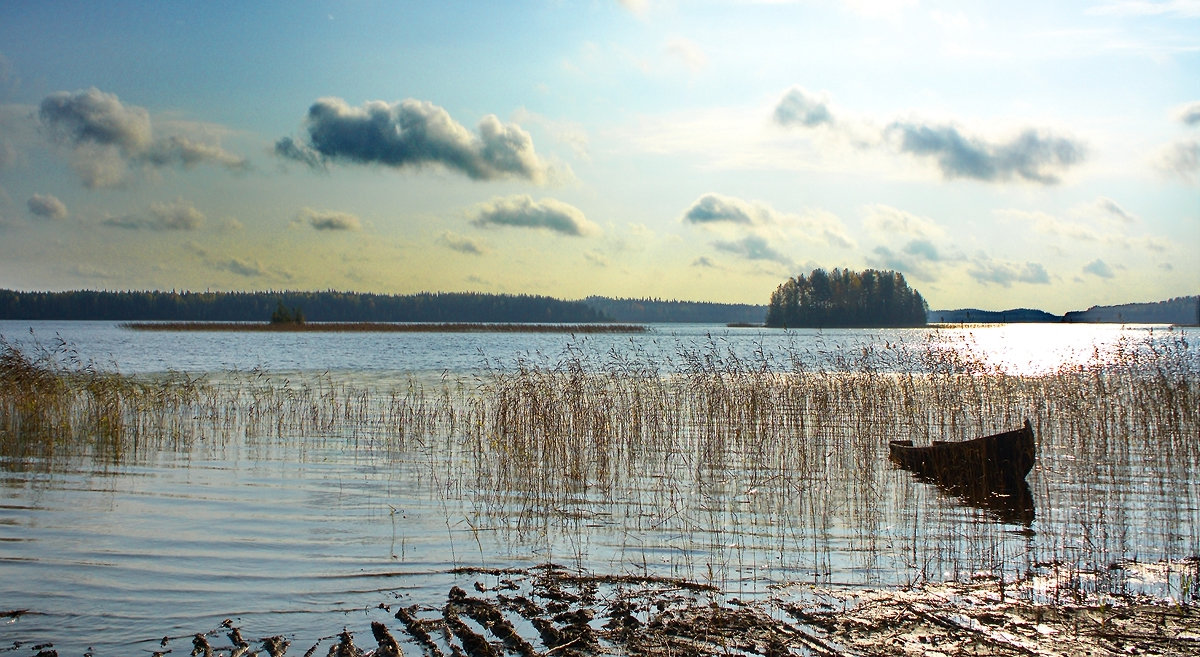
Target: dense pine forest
328,306
846,299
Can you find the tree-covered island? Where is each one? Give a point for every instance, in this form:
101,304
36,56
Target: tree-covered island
846,299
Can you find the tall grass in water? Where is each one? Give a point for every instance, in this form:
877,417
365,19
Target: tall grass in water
738,463
711,463
54,405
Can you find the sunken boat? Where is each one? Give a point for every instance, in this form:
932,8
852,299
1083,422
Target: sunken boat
987,472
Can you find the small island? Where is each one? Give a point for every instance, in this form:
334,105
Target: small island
846,299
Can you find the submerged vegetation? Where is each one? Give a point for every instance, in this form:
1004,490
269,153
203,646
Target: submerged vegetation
732,471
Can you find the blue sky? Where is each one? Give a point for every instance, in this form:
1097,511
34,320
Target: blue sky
998,154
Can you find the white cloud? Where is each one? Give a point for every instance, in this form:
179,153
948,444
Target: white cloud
1189,114
462,243
892,221
989,272
1181,160
47,205
413,134
176,215
106,135
523,212
329,219
731,215
688,53
1183,8
1099,269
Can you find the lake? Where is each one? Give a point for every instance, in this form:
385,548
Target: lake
315,476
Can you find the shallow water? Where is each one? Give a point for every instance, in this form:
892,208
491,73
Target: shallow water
304,532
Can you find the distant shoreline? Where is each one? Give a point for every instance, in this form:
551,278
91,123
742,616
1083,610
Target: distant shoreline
384,327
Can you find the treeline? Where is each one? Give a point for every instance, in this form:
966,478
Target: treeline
1179,310
327,306
655,311
846,299
976,316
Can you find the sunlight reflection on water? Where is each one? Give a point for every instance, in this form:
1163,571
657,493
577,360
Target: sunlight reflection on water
1033,349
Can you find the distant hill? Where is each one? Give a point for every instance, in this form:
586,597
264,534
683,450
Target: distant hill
652,311
1180,310
976,316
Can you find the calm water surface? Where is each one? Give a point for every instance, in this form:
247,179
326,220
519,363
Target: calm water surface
303,535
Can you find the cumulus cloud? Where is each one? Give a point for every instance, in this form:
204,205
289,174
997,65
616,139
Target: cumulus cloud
329,219
1187,8
636,6
523,212
802,108
688,53
177,150
1111,210
719,212
754,247
46,205
105,135
1005,274
715,208
244,267
8,154
923,249
1098,268
413,133
1182,159
918,258
1033,155
596,258
893,221
462,243
1189,114
176,215
94,117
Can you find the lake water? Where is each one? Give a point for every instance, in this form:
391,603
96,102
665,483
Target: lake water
302,498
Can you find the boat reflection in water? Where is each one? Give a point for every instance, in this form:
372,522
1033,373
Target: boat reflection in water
988,472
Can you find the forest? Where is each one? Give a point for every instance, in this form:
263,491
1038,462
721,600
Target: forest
655,311
846,299
1184,311
327,306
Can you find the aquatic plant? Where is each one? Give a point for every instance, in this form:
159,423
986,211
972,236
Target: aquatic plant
709,463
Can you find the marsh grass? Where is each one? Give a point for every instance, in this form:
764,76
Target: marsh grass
709,464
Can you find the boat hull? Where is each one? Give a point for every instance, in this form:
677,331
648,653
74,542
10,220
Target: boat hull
987,472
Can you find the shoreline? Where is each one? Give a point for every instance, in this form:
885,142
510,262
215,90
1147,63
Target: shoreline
384,327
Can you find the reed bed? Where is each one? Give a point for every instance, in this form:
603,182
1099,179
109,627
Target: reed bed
732,469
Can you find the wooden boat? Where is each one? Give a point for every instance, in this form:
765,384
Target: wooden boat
987,472
1000,458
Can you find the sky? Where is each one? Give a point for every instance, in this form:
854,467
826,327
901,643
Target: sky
999,155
